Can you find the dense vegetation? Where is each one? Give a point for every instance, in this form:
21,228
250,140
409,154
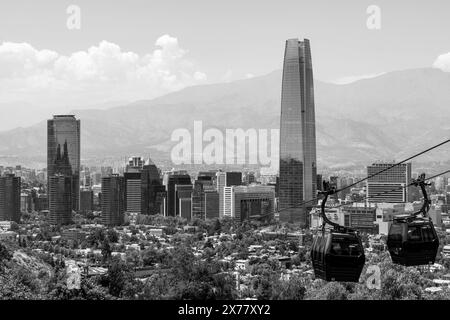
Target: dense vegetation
179,273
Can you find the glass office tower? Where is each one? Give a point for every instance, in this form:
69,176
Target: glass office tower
113,200
298,170
63,133
10,198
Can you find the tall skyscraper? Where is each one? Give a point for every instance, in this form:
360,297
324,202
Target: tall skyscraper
113,200
380,187
133,183
63,152
10,198
298,167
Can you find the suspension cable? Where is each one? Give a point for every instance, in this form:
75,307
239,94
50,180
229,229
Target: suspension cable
388,191
392,166
301,204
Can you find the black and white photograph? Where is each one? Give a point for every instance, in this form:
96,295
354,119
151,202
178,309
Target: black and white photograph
224,155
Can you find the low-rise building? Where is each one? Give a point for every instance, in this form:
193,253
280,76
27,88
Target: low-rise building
8,235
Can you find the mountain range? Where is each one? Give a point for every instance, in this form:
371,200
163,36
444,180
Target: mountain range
383,118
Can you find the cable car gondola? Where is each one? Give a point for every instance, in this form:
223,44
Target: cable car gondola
412,240
336,254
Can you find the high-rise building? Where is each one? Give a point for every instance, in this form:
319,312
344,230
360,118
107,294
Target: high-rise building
228,204
133,184
211,203
298,167
387,186
26,202
203,184
319,182
226,179
143,187
10,198
151,187
41,202
183,196
60,198
174,179
63,131
113,200
86,200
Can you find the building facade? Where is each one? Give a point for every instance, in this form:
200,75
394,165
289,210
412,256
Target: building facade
226,179
151,187
211,204
60,198
249,202
174,179
183,196
361,218
203,184
113,200
10,198
133,182
86,200
388,186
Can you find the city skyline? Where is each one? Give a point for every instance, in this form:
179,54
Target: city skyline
200,151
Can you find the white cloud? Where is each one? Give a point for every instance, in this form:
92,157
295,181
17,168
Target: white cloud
442,62
249,75
100,73
350,79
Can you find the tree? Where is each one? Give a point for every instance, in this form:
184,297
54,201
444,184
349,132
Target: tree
293,245
106,250
13,287
112,235
117,277
292,289
329,291
5,255
159,286
14,226
133,258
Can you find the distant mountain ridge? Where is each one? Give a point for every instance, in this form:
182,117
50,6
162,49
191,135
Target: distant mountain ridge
387,117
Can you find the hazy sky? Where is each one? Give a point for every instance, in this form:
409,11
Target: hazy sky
127,50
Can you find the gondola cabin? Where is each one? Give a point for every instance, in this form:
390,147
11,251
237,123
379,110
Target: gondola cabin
337,256
412,241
